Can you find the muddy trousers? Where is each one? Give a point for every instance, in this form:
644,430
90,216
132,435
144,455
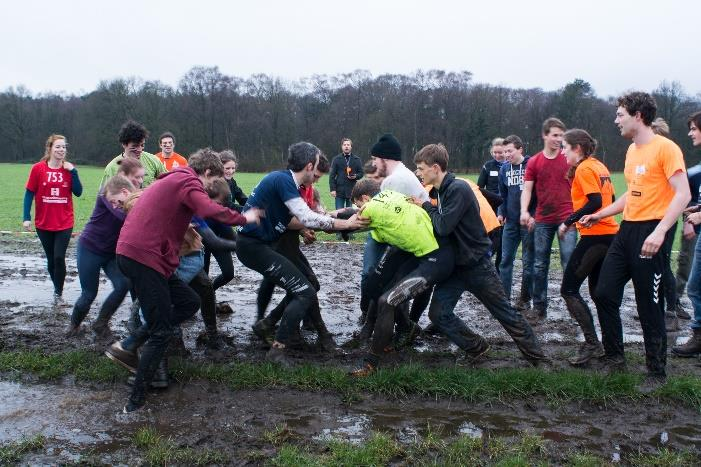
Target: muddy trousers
670,283
623,263
261,257
684,262
495,237
165,303
55,244
223,257
89,265
391,273
483,282
585,262
203,287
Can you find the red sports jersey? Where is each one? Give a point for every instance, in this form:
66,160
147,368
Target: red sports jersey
53,199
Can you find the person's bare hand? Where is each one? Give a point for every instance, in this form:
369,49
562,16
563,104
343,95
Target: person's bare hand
500,219
254,215
308,236
694,218
652,244
588,220
68,166
356,222
27,225
688,231
333,194
691,209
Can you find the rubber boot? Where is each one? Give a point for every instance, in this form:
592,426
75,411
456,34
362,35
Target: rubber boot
692,347
591,348
160,377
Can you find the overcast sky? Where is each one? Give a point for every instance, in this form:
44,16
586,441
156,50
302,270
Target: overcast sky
615,45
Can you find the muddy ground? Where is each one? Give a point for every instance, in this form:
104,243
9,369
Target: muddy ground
81,420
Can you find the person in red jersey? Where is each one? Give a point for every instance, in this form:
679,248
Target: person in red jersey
51,185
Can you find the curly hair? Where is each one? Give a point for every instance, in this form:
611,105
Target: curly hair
132,132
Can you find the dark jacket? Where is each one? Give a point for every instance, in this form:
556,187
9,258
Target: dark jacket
489,180
457,217
155,227
338,177
237,199
511,181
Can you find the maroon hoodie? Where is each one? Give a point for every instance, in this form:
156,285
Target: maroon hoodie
154,229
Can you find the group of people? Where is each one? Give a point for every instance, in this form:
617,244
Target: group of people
432,236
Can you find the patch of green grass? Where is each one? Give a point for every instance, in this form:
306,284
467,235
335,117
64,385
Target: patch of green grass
414,379
12,453
159,450
665,458
293,456
585,459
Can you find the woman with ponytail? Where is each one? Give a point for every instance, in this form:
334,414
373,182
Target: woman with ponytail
51,185
592,190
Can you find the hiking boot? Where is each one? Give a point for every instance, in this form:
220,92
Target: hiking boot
120,356
365,370
406,337
671,322
223,308
586,352
102,329
536,315
692,348
523,304
475,354
160,377
265,331
137,400
680,311
613,364
406,289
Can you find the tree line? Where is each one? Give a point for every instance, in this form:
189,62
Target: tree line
260,116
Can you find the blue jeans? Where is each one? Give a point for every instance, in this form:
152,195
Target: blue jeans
343,203
512,235
89,265
543,242
693,287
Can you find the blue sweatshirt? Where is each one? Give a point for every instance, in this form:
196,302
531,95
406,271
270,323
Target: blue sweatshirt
510,188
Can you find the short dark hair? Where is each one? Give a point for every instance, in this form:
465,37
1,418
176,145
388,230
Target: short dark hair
300,154
219,188
206,159
166,134
343,140
515,140
642,102
369,168
552,122
129,165
365,186
694,118
116,184
433,154
323,166
132,132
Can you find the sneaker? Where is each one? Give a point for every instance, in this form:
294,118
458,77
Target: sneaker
224,308
133,406
363,371
586,352
406,289
263,330
474,355
613,364
123,357
680,311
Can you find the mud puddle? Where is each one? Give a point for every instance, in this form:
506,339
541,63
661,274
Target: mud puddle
78,421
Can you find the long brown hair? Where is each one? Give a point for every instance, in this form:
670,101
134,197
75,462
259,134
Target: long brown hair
49,143
578,137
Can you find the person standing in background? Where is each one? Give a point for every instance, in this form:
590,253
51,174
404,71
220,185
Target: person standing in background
346,169
168,157
489,180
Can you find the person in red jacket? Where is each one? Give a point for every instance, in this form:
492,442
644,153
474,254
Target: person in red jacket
51,185
164,211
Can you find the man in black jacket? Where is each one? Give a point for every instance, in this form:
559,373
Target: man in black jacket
346,169
456,216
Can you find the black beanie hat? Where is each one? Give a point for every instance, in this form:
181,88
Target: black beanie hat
387,147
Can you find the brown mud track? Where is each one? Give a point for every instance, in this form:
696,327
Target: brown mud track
77,418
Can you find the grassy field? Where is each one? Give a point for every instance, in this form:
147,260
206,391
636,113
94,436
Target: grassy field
14,176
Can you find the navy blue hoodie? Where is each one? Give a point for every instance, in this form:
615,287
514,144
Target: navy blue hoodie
510,187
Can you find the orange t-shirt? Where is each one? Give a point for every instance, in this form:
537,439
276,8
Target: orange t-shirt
489,219
590,177
173,162
648,170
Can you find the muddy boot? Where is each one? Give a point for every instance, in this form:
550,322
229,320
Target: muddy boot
692,348
101,328
134,321
177,344
476,353
223,308
137,399
523,304
264,330
213,340
591,348
160,377
612,364
126,358
537,315
671,323
680,311
73,331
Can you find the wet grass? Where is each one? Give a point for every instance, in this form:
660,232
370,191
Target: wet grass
382,449
472,385
159,450
12,453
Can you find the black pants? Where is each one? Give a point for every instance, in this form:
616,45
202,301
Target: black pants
395,267
55,244
495,237
165,303
223,257
261,257
202,285
669,281
623,263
